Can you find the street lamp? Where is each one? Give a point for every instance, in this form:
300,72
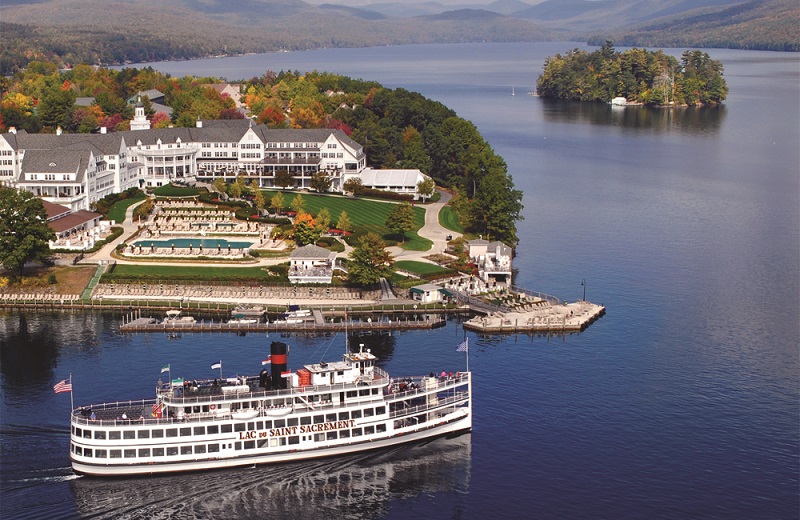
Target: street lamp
583,283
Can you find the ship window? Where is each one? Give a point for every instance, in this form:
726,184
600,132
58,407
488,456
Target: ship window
172,432
227,428
263,443
292,421
115,435
356,432
374,391
78,450
319,437
330,417
294,439
144,452
212,429
172,450
74,429
99,434
249,445
352,393
369,430
143,434
331,436
186,450
213,448
158,452
237,445
157,434
356,414
273,442
100,454
319,419
368,412
239,427
185,432
129,434
251,426
116,454
199,430
78,432
380,410
130,454
344,434
200,448
282,441
280,423
343,416
305,420
267,425
380,428
196,409
260,425
363,392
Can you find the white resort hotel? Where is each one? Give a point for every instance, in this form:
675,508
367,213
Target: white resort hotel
76,170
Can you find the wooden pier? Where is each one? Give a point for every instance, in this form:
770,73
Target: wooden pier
151,325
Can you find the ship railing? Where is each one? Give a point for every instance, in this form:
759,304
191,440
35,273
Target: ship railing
458,379
441,402
379,378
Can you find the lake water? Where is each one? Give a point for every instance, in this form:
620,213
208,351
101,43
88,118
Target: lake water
681,402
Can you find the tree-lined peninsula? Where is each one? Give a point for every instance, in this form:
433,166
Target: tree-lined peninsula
396,127
648,77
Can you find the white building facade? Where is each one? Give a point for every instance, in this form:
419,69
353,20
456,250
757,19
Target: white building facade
148,157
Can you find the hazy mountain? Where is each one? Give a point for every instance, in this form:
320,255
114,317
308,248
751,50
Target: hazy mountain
116,31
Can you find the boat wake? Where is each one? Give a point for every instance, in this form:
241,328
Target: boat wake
362,484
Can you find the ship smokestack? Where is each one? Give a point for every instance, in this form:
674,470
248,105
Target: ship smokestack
278,351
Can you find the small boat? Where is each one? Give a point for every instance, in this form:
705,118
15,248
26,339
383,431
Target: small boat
174,317
319,410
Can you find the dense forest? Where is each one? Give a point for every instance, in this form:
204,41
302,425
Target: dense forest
648,77
756,24
398,128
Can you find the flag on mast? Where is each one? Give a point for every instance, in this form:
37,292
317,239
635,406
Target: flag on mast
63,386
216,365
165,368
463,346
267,361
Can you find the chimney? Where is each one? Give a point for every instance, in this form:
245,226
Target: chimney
58,131
13,130
103,130
199,123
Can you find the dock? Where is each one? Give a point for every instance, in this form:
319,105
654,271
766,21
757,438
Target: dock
566,317
153,325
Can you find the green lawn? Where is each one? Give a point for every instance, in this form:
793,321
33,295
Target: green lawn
420,268
366,215
117,211
127,273
448,218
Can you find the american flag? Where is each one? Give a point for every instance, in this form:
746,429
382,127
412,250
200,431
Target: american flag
62,386
463,346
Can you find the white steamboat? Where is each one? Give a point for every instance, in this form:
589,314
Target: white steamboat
320,410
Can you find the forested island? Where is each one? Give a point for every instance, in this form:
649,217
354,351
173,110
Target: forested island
396,127
640,76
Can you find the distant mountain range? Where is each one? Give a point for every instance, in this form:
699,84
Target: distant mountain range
116,31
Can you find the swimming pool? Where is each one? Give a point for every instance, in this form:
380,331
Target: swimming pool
194,243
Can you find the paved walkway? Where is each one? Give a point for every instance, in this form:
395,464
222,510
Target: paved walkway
432,230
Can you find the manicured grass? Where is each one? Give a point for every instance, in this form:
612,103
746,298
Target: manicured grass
420,268
366,215
117,211
128,273
448,218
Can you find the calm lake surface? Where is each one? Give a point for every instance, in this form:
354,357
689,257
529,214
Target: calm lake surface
681,402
